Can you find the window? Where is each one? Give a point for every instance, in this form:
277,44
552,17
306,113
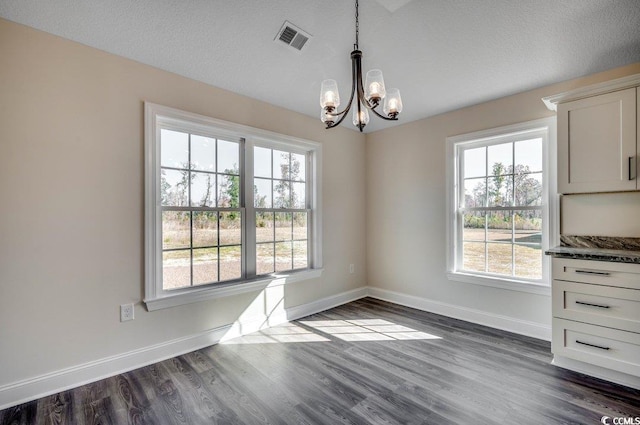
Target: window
227,207
499,206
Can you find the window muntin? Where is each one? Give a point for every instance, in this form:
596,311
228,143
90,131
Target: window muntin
500,207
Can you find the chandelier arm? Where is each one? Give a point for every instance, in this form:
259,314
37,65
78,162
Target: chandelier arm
359,86
343,113
359,89
373,109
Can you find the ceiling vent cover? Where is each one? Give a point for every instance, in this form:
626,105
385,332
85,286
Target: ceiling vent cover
292,36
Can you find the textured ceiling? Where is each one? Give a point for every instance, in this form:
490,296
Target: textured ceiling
441,54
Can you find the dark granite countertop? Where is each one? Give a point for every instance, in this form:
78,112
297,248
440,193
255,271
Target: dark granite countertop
599,254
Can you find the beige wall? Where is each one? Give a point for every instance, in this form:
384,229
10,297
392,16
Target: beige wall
71,207
602,214
406,193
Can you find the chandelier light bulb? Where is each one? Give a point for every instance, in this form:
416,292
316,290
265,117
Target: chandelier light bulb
329,96
360,119
374,87
392,103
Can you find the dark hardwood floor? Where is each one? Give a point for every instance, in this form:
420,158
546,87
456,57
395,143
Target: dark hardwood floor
367,362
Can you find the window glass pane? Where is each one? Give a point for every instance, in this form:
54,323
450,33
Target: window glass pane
475,162
298,196
298,169
528,261
176,269
203,153
528,189
175,229
261,162
265,258
205,228
500,191
203,193
499,258
528,226
174,149
205,266
500,158
499,226
264,227
230,262
300,226
528,155
228,157
300,255
474,225
284,226
281,169
284,259
473,256
174,187
228,191
230,228
281,194
262,193
475,192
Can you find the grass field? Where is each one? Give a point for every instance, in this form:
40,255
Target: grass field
217,253
498,255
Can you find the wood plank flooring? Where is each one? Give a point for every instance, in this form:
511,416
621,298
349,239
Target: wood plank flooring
367,362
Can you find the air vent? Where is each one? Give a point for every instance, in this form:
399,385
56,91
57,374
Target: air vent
292,36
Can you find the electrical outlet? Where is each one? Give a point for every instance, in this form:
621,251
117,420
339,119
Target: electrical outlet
351,268
126,312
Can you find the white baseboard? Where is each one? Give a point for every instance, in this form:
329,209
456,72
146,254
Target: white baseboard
597,371
297,312
522,327
61,380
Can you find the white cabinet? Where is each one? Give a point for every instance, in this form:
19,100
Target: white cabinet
598,143
596,314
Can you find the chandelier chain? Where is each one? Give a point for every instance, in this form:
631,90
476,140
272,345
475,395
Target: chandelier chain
357,26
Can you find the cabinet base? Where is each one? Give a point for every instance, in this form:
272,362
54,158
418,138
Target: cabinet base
597,371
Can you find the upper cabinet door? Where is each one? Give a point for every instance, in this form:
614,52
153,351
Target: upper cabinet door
597,143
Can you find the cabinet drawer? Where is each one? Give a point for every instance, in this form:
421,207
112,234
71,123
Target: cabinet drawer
623,275
600,305
610,348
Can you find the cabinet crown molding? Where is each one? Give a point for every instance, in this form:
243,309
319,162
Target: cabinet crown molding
595,89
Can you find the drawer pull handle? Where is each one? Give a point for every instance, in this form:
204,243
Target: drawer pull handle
593,272
592,305
593,345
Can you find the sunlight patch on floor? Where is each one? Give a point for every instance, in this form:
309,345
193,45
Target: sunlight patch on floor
367,330
347,330
289,332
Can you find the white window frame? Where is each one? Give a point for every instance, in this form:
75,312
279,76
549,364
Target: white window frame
155,117
546,128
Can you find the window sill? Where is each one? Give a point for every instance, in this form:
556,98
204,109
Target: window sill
496,282
228,290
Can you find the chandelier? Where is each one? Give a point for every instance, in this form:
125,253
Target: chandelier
368,95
